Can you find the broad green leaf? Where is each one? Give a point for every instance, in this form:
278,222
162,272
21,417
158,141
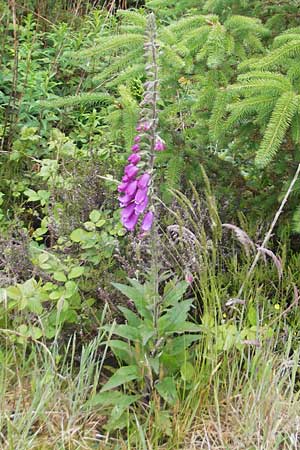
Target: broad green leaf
79,235
167,390
32,195
132,319
181,343
124,331
174,316
173,293
187,371
111,398
95,216
122,376
14,292
70,288
35,332
122,350
136,296
76,272
34,305
60,276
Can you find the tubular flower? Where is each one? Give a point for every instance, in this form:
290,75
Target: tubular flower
159,145
147,221
134,158
136,187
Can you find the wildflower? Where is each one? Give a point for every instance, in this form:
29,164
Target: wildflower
137,139
189,278
125,200
143,126
147,221
131,188
131,171
135,148
140,195
144,180
134,158
122,187
140,208
159,145
130,222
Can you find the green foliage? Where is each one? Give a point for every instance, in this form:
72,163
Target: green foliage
154,340
136,365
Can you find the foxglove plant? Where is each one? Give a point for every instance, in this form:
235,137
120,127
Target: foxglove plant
136,187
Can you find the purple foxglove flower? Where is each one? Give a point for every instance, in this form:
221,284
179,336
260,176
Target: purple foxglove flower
131,170
125,200
131,188
143,126
127,211
142,206
144,180
159,145
140,195
146,126
125,179
137,139
130,222
147,221
134,158
189,278
135,148
122,187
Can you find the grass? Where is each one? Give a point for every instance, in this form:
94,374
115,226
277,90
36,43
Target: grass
238,401
244,393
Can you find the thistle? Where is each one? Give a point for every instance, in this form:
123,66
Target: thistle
137,187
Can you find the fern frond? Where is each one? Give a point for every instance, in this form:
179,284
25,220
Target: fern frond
216,120
130,29
121,62
278,56
256,86
187,24
249,106
76,100
214,49
197,38
132,17
174,171
111,43
295,128
253,43
242,24
280,120
268,78
135,71
285,38
129,115
293,72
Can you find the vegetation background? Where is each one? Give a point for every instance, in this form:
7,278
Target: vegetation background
105,344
